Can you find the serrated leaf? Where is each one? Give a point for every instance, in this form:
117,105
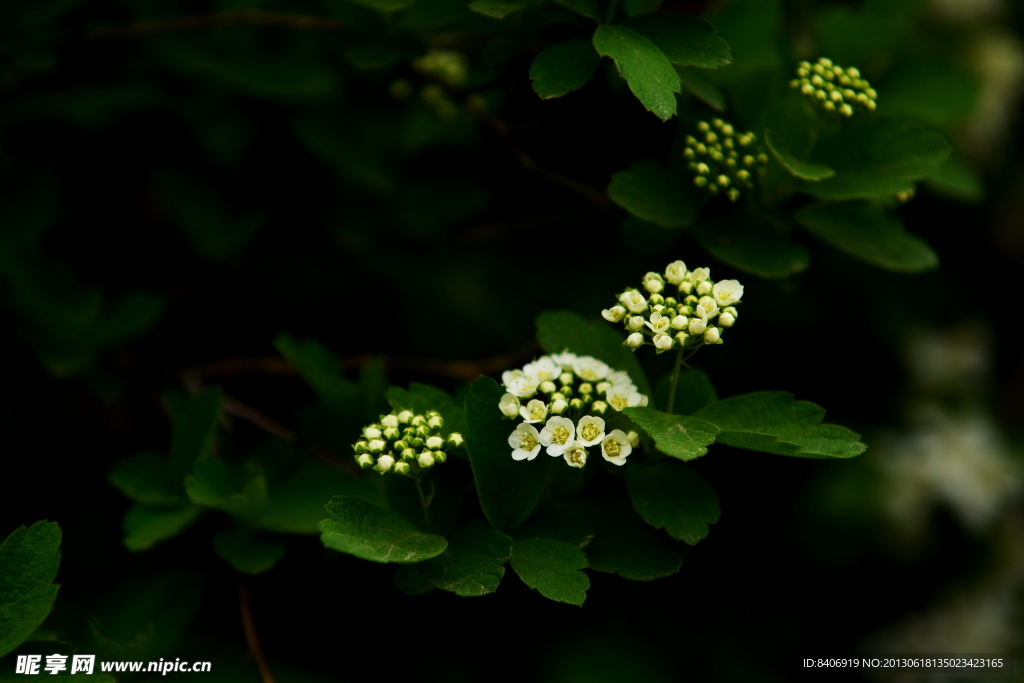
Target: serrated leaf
564,67
684,39
647,71
877,155
553,568
147,478
296,505
496,9
680,436
801,169
693,391
29,559
473,563
247,551
587,8
319,368
674,497
373,533
508,490
559,331
773,422
194,429
146,525
753,244
649,190
866,231
701,87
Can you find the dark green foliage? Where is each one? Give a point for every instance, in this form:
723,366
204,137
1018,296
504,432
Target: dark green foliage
29,558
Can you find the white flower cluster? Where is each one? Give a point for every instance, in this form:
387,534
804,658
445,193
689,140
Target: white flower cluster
566,395
723,159
834,88
698,316
405,443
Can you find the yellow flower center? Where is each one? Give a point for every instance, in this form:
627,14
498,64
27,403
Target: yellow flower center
528,443
589,431
560,435
612,448
538,411
618,401
576,456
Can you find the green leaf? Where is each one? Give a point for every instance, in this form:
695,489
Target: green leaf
147,478
801,169
146,525
877,155
693,391
587,8
558,331
29,559
701,87
623,544
958,180
320,369
373,533
247,551
868,232
683,38
296,505
508,490
496,9
194,430
754,244
420,398
553,568
680,436
649,190
473,563
214,485
936,92
675,497
646,69
564,67
773,422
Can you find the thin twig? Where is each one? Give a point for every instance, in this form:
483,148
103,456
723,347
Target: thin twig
250,633
234,17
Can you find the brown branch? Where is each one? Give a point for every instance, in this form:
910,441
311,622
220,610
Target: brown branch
235,17
250,633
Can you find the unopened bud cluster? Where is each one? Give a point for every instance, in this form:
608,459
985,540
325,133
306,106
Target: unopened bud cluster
447,66
567,395
833,88
696,315
405,443
723,159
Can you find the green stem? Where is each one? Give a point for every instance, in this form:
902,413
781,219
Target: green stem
423,502
611,11
675,380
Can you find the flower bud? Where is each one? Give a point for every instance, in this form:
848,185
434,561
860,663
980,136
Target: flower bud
566,378
384,464
440,456
419,421
670,302
704,287
576,403
426,459
390,433
509,405
586,388
599,407
635,340
697,326
603,387
455,440
400,445
402,468
635,323
679,322
409,454
389,420
405,416
682,338
435,421
547,386
686,286
423,431
712,335
365,460
675,272
566,392
633,438
371,432
656,299
361,447
613,314
434,443
416,442
653,282
376,446
663,342
558,406
726,320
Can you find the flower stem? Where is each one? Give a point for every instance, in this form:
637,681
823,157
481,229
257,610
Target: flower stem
675,380
423,502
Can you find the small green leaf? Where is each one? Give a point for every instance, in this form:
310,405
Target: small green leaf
587,8
773,422
701,87
496,9
558,331
194,430
753,244
508,490
877,155
373,533
649,190
958,180
296,505
553,568
247,551
320,369
147,478
563,68
693,391
683,38
866,231
675,497
680,436
801,169
29,559
213,485
473,563
146,525
646,69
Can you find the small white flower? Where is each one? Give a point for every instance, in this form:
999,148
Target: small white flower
616,447
509,405
557,434
709,305
635,340
519,383
563,360
389,421
590,369
526,442
575,454
663,342
712,335
635,322
590,430
613,314
675,272
558,406
384,463
653,282
622,397
426,459
704,288
727,320
534,411
435,443
727,292
699,275
697,326
659,323
633,300
543,369
679,322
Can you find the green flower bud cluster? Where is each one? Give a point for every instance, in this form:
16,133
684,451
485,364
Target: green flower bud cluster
448,66
724,159
405,443
833,88
696,316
